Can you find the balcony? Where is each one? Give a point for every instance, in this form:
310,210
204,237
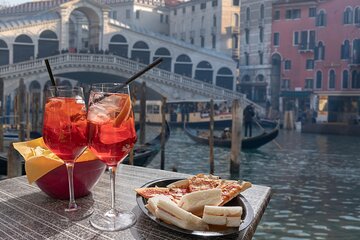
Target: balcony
235,29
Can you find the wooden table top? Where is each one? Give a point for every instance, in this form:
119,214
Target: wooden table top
27,213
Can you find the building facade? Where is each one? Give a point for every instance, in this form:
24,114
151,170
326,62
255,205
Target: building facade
255,49
315,56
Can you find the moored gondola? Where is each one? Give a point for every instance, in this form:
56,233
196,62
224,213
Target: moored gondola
246,144
143,154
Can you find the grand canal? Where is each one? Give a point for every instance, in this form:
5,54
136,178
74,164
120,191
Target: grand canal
315,181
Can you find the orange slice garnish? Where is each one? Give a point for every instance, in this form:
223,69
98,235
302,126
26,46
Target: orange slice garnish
124,114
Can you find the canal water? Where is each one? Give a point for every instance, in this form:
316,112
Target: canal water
315,181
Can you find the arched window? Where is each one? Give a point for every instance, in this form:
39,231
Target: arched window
119,46
214,20
247,58
183,65
357,15
355,79
235,41
204,72
345,79
318,83
332,78
4,53
248,14
261,34
225,78
345,50
247,36
320,51
262,11
348,16
356,51
48,44
164,53
141,52
23,49
236,20
321,19
260,78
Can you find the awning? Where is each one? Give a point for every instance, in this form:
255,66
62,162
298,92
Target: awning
295,94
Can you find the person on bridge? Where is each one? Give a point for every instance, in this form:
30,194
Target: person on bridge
249,113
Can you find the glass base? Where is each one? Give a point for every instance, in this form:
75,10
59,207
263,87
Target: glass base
113,220
74,214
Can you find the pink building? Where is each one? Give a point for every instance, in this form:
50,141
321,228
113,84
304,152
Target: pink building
316,57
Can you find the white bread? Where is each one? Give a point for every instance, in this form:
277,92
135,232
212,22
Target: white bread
169,212
194,202
229,216
153,202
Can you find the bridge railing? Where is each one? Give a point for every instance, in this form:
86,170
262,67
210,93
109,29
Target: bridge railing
131,66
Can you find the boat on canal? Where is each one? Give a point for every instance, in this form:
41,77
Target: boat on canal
144,154
255,142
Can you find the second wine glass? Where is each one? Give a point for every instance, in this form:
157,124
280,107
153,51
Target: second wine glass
111,137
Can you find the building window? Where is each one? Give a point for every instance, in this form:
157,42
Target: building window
345,50
312,12
285,84
247,36
348,16
357,15
321,19
235,41
261,58
247,60
309,83
114,15
191,40
318,80
202,41
345,79
137,14
213,41
128,14
276,14
175,12
184,10
355,80
161,18
248,14
214,3
166,18
320,51
332,79
262,11
236,2
312,39
261,34
293,14
287,64
214,21
276,39
309,64
296,38
193,8
307,40
203,5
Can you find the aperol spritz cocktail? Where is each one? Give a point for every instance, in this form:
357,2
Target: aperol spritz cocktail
65,134
112,135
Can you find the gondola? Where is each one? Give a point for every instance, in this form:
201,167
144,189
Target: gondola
246,144
145,153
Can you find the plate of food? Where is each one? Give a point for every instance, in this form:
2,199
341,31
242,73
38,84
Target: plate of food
202,205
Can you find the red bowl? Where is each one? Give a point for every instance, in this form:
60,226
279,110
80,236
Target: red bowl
86,175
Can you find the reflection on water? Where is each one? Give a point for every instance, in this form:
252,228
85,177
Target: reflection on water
315,181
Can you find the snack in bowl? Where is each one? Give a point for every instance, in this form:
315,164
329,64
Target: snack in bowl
193,195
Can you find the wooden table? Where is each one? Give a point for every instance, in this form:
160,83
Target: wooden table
27,213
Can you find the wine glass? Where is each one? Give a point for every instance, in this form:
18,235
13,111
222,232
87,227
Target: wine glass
65,134
111,136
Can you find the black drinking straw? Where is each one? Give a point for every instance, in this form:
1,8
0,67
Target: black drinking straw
50,72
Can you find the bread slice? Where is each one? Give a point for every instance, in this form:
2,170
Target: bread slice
153,202
194,202
169,212
226,216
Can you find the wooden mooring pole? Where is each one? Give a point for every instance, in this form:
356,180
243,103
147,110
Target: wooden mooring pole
211,137
162,141
21,109
235,157
2,119
142,118
28,125
14,165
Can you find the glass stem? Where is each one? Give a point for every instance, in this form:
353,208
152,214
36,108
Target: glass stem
70,171
112,171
